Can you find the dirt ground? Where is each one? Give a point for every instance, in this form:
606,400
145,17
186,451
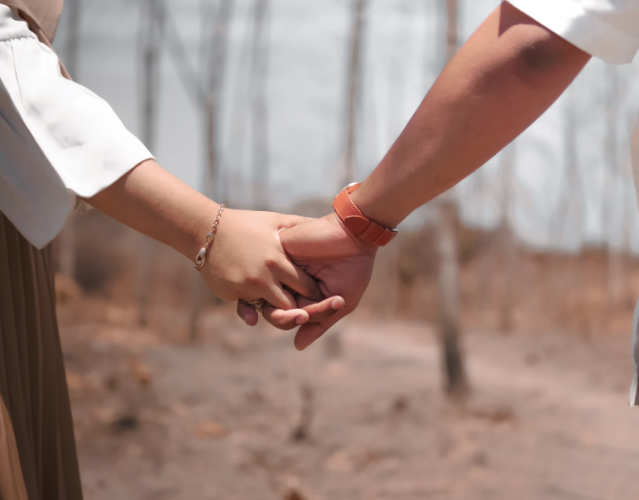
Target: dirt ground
240,414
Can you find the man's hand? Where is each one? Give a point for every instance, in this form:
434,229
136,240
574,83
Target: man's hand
341,264
247,261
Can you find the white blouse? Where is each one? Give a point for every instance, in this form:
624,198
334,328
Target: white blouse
58,140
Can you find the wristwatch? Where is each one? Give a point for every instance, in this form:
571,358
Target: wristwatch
357,223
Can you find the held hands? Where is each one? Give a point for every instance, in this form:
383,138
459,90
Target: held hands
342,266
247,262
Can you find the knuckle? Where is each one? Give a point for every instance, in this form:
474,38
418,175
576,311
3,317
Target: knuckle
272,262
235,279
254,280
282,325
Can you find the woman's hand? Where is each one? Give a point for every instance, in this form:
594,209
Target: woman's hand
341,265
247,262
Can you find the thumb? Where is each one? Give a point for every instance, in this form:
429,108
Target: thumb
294,236
287,221
310,332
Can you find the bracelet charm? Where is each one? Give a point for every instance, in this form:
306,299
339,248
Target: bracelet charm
202,255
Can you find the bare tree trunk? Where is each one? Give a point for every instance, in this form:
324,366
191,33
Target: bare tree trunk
570,213
452,28
507,240
151,32
353,92
615,260
627,225
352,99
73,37
302,431
214,79
634,154
66,242
215,46
572,197
452,358
259,63
151,40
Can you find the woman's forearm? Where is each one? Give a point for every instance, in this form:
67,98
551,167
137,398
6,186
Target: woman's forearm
505,76
156,203
246,260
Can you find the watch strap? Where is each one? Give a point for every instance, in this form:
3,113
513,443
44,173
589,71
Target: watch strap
357,223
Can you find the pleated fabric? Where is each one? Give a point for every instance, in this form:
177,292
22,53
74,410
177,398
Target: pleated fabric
38,458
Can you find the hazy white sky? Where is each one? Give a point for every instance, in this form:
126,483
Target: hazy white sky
305,99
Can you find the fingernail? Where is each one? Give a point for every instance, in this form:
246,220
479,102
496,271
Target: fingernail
337,304
301,319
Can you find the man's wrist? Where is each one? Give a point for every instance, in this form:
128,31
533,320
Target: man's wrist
367,201
357,223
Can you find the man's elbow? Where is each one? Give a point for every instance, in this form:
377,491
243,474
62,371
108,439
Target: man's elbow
535,50
545,53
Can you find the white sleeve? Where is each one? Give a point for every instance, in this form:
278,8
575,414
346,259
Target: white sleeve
57,138
607,29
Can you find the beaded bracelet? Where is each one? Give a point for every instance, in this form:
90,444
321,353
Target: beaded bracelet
202,255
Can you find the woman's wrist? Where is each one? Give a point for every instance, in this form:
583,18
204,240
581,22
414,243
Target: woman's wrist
193,234
154,202
203,254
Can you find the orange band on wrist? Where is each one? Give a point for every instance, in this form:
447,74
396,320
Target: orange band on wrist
357,223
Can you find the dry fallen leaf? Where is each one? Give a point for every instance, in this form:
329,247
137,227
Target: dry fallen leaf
294,494
211,429
140,372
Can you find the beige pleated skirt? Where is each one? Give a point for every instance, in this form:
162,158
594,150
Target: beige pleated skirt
38,458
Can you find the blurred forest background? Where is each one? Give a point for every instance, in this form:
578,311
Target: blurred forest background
500,316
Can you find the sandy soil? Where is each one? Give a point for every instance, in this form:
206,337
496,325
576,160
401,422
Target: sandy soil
241,415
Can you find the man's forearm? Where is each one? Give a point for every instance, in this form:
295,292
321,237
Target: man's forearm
505,76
